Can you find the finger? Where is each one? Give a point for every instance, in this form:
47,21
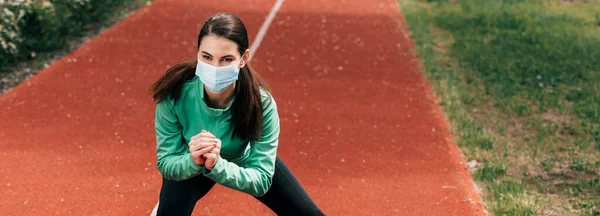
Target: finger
201,146
201,134
215,146
218,144
208,139
207,144
205,150
196,154
208,135
201,140
209,157
202,143
215,151
214,141
196,136
195,148
193,142
192,148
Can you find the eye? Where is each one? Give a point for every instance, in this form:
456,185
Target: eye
227,59
206,57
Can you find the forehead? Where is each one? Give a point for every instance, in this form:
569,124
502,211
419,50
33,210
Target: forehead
218,46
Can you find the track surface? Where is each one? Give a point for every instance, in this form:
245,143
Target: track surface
360,128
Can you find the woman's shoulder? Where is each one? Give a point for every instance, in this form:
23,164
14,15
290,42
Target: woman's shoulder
190,83
265,94
267,98
187,92
190,88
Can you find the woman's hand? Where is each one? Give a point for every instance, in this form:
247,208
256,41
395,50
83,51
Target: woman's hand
201,144
212,156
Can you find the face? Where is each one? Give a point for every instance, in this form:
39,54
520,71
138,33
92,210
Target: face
220,51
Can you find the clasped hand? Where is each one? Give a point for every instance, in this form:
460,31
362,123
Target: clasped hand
205,149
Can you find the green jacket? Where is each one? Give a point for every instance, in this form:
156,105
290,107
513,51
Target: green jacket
243,166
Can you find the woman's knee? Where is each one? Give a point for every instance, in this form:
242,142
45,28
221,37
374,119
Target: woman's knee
287,196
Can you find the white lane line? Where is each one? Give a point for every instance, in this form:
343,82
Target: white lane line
265,26
259,37
154,210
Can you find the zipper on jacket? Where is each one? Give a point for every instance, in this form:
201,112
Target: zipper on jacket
215,132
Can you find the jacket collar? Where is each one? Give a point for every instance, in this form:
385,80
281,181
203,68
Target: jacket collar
209,110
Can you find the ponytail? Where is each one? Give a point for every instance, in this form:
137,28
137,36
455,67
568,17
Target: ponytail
170,84
247,108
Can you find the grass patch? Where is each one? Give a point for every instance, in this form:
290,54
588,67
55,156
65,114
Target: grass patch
511,198
490,172
519,82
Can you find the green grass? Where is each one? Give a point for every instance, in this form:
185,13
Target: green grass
520,83
511,198
490,172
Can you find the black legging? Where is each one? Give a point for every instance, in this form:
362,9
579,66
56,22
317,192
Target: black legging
285,197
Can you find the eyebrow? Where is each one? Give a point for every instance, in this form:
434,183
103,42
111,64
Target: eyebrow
204,52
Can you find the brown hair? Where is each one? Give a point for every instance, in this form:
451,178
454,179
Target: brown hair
247,108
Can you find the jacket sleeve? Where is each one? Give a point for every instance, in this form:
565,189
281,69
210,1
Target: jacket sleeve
174,159
255,177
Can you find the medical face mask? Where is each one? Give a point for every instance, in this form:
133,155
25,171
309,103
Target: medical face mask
217,79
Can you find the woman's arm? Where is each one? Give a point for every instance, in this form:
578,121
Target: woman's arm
255,177
174,159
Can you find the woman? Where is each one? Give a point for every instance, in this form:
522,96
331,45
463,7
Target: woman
216,122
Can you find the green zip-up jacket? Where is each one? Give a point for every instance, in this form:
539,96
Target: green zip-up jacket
243,166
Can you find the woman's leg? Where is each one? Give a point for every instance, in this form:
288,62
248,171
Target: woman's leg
180,197
286,196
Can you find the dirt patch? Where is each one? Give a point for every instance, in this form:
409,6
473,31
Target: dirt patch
564,122
534,170
554,205
443,42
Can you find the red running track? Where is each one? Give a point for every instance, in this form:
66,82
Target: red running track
360,128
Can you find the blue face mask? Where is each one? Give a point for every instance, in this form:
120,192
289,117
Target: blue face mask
217,79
